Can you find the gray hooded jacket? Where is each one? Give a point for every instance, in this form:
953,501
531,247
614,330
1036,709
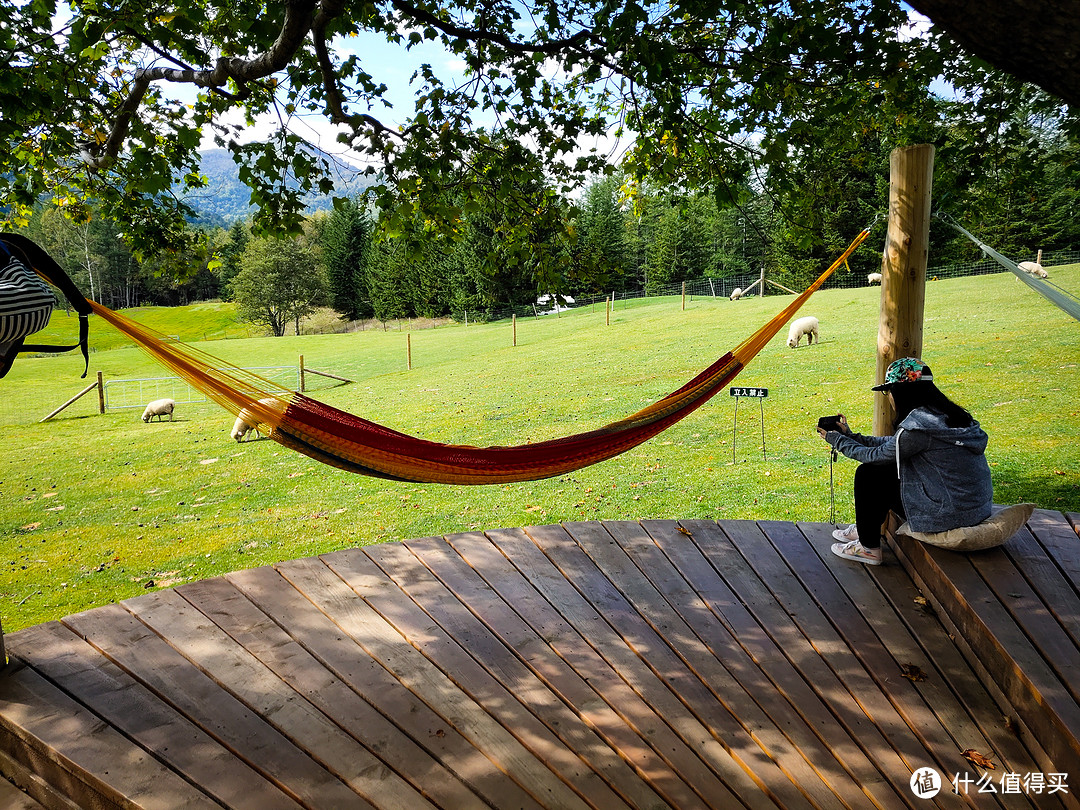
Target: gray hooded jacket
944,477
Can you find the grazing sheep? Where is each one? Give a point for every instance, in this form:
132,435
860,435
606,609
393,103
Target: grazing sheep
158,408
249,420
803,326
1033,269
873,278
736,294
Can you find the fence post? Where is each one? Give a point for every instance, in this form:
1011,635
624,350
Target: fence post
513,324
684,296
302,380
408,350
761,289
607,310
903,267
100,394
1038,260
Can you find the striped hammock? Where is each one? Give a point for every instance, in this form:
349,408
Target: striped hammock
350,443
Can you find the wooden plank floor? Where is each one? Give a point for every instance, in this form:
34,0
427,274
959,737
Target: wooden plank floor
587,665
1016,614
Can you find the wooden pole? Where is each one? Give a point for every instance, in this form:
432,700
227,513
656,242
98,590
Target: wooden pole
761,290
782,287
327,374
903,268
513,324
684,296
85,391
302,380
408,350
1038,259
608,316
100,394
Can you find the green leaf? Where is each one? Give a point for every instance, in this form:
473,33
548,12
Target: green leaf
99,50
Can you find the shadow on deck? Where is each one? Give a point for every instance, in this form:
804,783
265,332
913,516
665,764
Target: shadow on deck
603,665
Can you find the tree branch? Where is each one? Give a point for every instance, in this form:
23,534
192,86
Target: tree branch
551,47
294,29
335,102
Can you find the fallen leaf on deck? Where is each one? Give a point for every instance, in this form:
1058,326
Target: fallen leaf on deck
975,758
684,531
912,672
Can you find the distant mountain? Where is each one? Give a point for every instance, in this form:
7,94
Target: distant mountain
226,200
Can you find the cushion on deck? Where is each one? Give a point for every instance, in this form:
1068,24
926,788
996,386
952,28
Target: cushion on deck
992,532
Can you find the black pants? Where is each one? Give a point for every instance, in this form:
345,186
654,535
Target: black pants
877,491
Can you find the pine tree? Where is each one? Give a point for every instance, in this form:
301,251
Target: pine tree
346,250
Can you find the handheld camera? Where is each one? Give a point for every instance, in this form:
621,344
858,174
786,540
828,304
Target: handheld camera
828,423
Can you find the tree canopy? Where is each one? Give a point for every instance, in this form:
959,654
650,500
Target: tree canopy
108,101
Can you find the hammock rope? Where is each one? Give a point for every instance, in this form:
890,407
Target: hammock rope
351,443
1064,300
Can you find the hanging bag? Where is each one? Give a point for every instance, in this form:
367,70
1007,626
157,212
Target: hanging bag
26,302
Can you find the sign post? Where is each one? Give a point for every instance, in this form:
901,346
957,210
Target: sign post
756,393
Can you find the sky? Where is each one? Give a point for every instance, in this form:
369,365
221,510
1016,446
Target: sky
393,65
388,63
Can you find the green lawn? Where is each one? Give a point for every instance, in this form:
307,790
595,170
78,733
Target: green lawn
100,508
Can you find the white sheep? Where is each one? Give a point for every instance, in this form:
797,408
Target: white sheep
1033,269
249,418
158,408
736,294
873,278
803,326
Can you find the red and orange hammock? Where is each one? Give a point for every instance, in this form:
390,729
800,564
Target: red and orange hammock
348,442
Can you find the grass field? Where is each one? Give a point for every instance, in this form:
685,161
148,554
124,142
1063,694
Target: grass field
101,508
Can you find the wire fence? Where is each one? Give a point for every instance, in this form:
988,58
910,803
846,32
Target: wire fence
127,394
135,393
725,287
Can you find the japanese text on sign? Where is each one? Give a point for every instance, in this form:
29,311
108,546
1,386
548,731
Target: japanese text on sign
750,392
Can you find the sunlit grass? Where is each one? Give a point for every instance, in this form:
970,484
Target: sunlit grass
100,508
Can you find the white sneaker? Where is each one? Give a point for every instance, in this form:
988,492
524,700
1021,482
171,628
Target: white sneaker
855,551
846,535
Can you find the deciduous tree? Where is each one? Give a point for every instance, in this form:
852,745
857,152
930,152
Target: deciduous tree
114,106
279,283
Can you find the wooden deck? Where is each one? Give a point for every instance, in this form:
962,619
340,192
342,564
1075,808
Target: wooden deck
591,665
